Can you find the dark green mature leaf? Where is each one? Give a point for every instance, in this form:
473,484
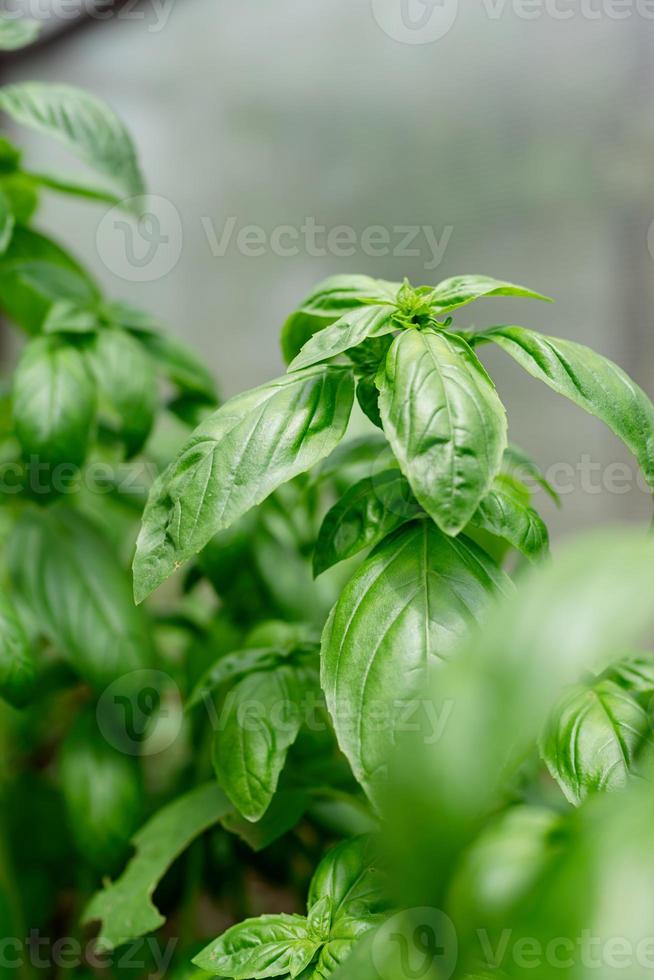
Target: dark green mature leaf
349,331
460,290
270,946
402,612
124,907
594,737
284,813
17,33
127,384
69,579
260,721
368,399
177,361
35,272
591,381
234,460
327,303
444,421
54,402
17,667
505,513
102,791
364,515
7,222
84,124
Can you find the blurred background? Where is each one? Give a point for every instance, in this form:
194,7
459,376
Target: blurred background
287,141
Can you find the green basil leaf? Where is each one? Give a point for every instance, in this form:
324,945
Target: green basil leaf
460,290
34,273
270,946
127,384
20,192
593,739
124,907
355,456
350,877
368,399
504,513
517,463
284,813
83,123
234,460
636,675
66,317
75,188
54,402
17,667
503,865
327,303
233,667
103,793
349,331
7,222
364,515
177,361
260,722
402,612
444,421
10,156
17,33
69,579
591,381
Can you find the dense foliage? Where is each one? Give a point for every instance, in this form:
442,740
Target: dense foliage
362,681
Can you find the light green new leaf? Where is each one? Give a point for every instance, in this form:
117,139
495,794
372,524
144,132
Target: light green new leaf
591,381
84,124
364,515
350,331
594,737
260,721
460,290
234,460
127,383
636,675
124,907
270,946
402,613
67,576
7,222
17,33
102,791
35,272
74,188
17,667
327,303
505,513
66,317
444,421
54,402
